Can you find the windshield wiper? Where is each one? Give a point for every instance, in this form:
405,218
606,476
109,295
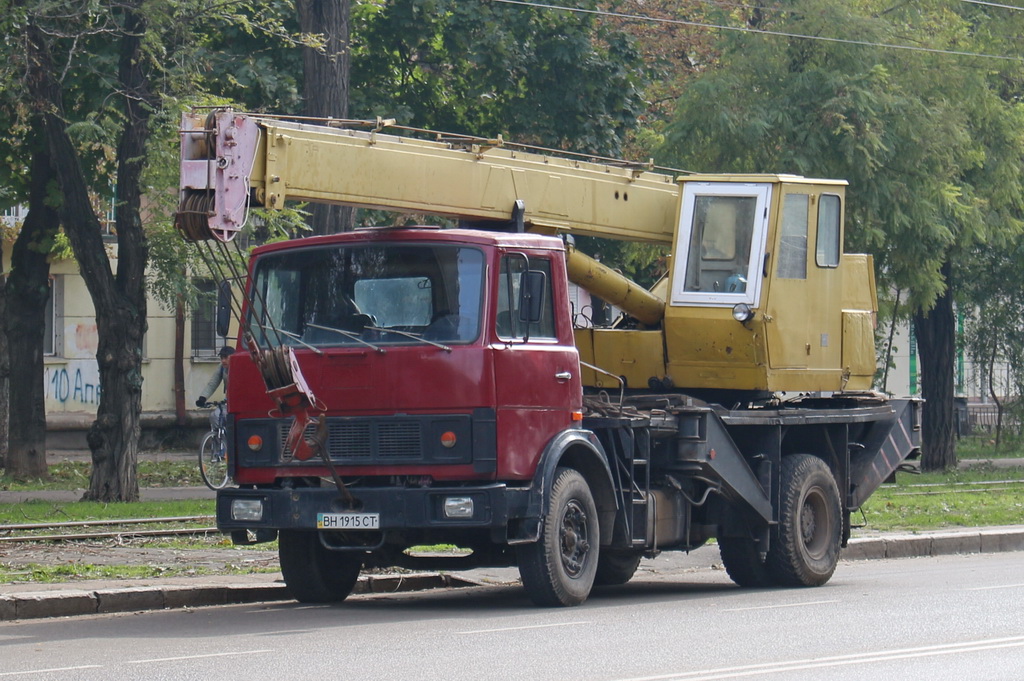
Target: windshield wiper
348,334
414,336
298,338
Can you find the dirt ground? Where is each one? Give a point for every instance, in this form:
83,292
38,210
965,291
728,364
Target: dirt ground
136,553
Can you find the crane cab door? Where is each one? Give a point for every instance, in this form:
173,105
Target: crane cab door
805,288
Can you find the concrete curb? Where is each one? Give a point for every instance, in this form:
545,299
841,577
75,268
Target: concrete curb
66,603
941,543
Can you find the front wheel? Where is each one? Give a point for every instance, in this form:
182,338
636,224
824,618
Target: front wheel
314,573
559,568
805,548
213,461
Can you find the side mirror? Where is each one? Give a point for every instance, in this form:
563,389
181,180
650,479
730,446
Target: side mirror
223,308
532,285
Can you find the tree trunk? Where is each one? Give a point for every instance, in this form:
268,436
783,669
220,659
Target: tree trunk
888,347
5,368
120,299
992,393
179,364
325,86
936,341
28,287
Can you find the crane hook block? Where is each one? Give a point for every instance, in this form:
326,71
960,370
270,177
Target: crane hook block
218,151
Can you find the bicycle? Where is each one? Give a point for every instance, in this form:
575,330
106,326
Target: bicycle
213,453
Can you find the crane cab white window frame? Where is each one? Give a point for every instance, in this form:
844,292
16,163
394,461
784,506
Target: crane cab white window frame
718,214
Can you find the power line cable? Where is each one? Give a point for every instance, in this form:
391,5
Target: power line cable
741,29
994,4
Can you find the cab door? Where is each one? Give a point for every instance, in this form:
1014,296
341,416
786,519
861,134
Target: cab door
536,365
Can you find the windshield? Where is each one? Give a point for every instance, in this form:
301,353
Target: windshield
379,294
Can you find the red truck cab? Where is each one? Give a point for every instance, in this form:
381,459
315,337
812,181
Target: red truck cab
440,396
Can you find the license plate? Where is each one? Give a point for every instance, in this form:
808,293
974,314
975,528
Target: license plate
348,521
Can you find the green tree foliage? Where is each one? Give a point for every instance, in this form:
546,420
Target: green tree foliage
97,74
994,295
251,57
539,76
930,142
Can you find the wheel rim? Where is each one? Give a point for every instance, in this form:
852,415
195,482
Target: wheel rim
815,523
574,538
213,463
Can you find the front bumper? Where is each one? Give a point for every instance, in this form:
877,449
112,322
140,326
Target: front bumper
495,506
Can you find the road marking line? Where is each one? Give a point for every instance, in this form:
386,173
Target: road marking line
838,660
200,657
47,671
783,605
992,588
529,626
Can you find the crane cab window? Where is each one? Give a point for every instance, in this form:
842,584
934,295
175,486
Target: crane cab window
721,238
793,237
830,221
510,320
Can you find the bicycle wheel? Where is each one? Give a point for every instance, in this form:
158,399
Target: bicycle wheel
213,461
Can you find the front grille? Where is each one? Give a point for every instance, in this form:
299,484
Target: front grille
348,440
366,440
399,440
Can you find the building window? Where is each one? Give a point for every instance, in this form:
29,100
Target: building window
204,316
53,334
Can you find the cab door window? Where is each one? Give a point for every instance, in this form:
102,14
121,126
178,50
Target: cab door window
793,239
510,321
830,221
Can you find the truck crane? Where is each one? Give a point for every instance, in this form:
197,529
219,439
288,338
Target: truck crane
416,385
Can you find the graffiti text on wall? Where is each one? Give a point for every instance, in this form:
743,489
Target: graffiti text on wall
72,385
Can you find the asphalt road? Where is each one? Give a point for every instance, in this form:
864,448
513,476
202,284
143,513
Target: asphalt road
941,618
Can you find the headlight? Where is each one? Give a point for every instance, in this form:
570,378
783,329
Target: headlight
247,510
742,313
458,507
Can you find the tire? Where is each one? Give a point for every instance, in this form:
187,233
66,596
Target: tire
743,563
805,546
616,567
559,568
313,573
213,462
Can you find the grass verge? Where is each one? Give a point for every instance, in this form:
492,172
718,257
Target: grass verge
75,475
976,498
56,512
983,446
39,573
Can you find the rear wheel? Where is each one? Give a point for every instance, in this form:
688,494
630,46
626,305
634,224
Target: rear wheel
805,546
313,573
743,563
213,461
559,568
